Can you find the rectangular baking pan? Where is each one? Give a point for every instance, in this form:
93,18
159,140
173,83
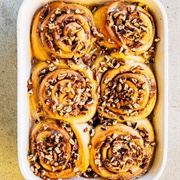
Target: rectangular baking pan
160,121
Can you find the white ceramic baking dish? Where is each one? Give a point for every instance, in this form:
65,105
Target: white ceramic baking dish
160,121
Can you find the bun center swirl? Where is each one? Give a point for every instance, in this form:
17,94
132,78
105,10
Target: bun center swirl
63,93
64,31
61,149
127,92
69,94
125,25
122,151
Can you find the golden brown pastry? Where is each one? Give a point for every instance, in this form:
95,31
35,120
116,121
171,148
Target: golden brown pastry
129,57
122,151
63,92
127,89
126,26
58,149
61,30
89,70
113,61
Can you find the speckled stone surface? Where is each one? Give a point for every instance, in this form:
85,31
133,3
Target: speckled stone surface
9,169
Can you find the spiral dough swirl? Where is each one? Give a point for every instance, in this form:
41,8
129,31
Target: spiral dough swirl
122,151
62,31
63,93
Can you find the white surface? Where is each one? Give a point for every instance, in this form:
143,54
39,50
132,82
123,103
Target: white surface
160,121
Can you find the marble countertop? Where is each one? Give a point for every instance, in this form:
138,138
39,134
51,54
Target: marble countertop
9,169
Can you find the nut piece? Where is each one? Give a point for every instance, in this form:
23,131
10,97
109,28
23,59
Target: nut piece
71,141
92,132
85,130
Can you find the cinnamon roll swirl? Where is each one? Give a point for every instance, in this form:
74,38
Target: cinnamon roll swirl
63,93
61,30
122,151
128,91
125,25
58,149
